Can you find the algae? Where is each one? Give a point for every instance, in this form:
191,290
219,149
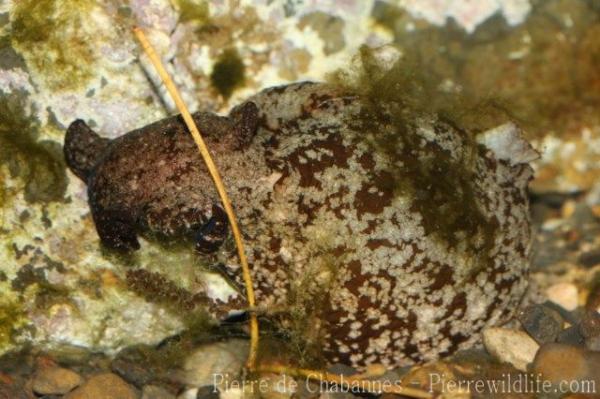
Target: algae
12,317
9,58
329,28
51,35
443,189
38,164
228,73
543,73
192,10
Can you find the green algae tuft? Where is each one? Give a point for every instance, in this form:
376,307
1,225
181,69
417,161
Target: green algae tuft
228,73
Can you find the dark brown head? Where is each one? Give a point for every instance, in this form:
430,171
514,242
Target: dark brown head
82,148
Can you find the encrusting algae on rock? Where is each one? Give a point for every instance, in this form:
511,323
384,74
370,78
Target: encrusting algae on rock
394,234
52,36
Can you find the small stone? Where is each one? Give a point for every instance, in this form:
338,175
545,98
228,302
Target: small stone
564,294
207,392
560,362
54,380
277,386
188,394
593,343
590,258
134,365
510,346
571,336
214,363
590,321
104,386
568,209
233,393
571,317
341,369
156,392
12,387
541,323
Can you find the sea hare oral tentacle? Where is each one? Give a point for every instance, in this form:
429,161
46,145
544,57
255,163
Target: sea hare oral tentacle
384,237
81,149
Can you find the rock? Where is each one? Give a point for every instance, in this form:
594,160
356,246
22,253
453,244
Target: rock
571,336
590,258
55,380
156,392
135,365
233,393
13,387
590,321
104,386
593,343
590,329
510,346
571,317
207,392
564,294
541,323
277,386
341,369
336,395
214,363
188,394
560,362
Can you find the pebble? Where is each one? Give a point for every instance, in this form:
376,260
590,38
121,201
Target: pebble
12,387
207,392
54,380
104,386
134,365
560,362
277,386
590,321
590,258
570,317
541,323
341,369
568,209
510,346
564,294
233,393
571,336
213,363
190,393
156,392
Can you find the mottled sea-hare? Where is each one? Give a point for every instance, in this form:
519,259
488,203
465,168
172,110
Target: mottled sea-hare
393,243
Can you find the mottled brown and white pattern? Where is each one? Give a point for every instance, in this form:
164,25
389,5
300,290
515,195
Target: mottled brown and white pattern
350,233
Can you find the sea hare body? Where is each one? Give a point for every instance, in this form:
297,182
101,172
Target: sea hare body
391,245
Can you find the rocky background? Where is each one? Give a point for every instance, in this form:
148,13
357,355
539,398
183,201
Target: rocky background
537,62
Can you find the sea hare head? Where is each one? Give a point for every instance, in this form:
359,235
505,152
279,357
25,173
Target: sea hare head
154,179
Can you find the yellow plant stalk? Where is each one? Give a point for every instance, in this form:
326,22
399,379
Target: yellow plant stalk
189,121
251,362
